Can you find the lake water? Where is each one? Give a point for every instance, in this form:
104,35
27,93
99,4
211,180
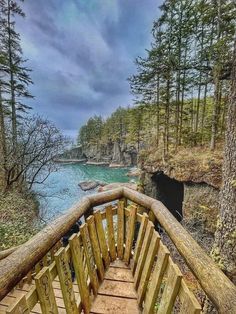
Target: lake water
61,189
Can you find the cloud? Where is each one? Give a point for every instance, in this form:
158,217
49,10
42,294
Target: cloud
81,53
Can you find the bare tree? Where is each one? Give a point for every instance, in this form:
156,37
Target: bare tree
39,143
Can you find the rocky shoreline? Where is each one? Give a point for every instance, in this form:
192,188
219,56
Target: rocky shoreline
114,155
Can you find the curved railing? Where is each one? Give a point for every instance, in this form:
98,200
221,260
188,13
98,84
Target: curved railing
216,285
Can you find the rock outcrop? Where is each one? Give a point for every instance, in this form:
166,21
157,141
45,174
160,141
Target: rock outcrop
114,154
90,185
196,165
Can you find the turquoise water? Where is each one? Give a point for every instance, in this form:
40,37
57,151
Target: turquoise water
60,191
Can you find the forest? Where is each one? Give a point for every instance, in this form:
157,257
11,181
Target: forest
181,86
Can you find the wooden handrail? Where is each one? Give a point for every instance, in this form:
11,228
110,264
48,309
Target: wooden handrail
7,252
14,267
217,286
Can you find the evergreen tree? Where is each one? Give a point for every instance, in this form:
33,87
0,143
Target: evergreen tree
14,82
16,74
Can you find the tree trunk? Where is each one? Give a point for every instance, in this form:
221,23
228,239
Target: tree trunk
224,251
216,75
157,110
2,146
204,111
12,84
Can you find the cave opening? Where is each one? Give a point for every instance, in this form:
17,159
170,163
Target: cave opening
170,192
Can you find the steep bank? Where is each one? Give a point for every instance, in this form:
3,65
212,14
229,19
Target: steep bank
18,215
188,184
189,164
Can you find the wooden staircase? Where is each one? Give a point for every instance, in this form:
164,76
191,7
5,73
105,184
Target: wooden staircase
117,263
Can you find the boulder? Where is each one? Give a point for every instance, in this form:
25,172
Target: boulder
90,185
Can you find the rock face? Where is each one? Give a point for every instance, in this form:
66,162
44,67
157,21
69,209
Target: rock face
115,154
73,153
117,157
197,165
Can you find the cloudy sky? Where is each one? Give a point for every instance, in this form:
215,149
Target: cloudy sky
81,53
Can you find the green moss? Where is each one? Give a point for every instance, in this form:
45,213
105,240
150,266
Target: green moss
18,218
215,254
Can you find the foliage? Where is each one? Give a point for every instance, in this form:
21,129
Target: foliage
18,213
181,86
28,144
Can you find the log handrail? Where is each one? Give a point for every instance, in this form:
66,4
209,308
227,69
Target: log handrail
7,252
217,286
220,290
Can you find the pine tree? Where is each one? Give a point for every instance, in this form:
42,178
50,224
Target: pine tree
14,82
16,76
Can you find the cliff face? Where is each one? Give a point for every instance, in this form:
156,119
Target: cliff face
196,165
188,184
114,154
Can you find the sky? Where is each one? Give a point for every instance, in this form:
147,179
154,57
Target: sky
81,53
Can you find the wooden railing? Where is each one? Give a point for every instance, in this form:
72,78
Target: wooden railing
216,285
157,280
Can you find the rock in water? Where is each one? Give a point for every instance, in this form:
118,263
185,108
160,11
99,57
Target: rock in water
90,185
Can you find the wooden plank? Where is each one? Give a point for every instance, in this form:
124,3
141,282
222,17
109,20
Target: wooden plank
156,279
130,234
139,242
125,201
171,289
120,274
89,258
37,267
118,289
151,216
95,246
119,264
120,229
19,307
148,267
102,238
45,260
110,233
45,292
64,274
143,253
77,258
88,213
138,216
189,303
108,304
